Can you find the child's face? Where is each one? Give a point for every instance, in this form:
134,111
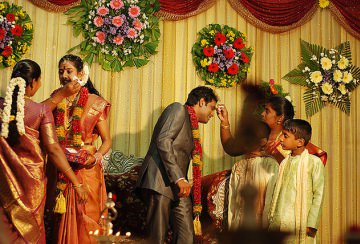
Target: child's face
289,142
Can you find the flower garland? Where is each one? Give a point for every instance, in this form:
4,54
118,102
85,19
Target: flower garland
196,166
118,33
61,120
220,55
328,75
6,113
16,34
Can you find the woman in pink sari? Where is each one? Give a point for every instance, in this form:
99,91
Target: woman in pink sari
80,119
27,128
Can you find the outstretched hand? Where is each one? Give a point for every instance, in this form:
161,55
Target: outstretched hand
184,188
222,114
70,88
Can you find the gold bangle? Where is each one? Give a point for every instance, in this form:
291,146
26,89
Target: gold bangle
225,126
68,169
77,186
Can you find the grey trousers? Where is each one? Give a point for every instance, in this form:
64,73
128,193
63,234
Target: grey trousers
163,212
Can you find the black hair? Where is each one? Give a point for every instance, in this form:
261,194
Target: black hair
79,65
301,129
28,70
251,134
282,106
201,92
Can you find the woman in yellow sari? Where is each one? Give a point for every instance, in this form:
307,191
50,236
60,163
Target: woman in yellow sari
27,127
80,119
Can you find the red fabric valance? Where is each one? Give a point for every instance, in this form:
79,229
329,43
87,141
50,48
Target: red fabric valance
270,15
55,5
62,2
347,13
182,9
277,12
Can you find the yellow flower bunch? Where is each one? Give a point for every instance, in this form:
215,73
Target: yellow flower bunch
205,62
28,26
204,42
78,111
324,3
60,131
2,6
21,14
77,139
10,61
62,105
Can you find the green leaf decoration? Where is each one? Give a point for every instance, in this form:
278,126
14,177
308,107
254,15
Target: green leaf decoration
117,34
297,77
220,55
16,34
328,75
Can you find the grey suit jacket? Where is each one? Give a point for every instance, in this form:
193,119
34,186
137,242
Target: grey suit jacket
169,153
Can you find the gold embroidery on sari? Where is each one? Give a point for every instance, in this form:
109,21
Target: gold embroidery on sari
49,133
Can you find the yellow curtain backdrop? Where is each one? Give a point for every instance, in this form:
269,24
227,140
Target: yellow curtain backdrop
139,95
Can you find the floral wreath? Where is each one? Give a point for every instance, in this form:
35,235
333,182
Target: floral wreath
220,55
16,34
117,33
328,75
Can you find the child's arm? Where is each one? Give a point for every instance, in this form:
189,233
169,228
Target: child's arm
317,194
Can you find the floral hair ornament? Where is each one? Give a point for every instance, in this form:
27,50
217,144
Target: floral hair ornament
6,114
272,87
288,98
85,77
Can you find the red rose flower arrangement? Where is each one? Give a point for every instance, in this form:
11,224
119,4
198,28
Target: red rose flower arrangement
16,34
221,56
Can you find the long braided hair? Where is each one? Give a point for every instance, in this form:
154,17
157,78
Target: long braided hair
28,70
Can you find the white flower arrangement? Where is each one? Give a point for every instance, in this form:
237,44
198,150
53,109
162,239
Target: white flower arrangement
328,74
6,113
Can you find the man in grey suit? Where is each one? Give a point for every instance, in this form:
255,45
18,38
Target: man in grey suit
163,175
